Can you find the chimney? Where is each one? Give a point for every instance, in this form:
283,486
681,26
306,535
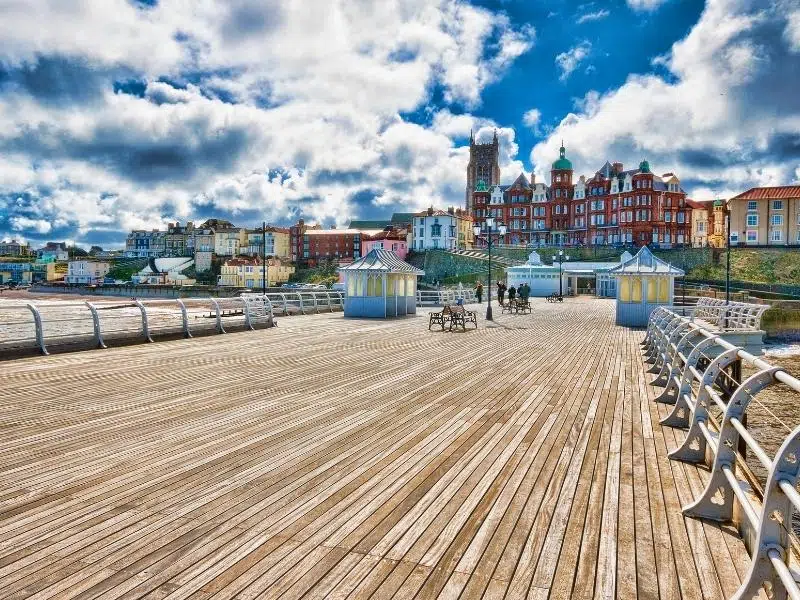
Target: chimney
617,167
430,211
533,179
450,210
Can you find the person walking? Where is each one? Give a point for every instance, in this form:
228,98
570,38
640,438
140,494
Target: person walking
501,292
479,292
512,292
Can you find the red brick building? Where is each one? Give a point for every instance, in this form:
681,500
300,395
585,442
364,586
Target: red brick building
613,207
310,245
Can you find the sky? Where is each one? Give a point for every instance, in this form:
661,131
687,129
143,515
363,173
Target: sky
130,114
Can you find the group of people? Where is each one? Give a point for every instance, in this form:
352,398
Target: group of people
524,292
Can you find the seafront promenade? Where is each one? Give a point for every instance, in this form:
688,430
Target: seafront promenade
333,458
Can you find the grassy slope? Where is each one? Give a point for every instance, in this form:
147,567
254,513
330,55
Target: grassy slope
759,266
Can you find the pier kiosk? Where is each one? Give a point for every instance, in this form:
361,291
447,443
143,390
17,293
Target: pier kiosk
380,285
644,282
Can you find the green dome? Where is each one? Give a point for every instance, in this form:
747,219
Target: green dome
481,186
562,164
644,166
719,202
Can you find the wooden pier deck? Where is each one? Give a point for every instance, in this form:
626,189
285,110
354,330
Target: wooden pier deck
332,458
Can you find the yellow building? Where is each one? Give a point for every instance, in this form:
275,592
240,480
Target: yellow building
700,214
766,216
248,272
717,227
277,242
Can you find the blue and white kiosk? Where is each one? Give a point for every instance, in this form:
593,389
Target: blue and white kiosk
643,283
380,285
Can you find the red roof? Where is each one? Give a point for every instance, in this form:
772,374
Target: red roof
770,193
699,204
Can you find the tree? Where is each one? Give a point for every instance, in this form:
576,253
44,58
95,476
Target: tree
77,252
94,250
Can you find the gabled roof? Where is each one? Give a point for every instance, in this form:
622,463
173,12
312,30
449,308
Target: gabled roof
382,260
770,193
522,180
646,263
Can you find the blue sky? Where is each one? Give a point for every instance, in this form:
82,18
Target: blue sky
122,114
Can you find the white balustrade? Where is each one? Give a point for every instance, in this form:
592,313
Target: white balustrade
678,345
28,326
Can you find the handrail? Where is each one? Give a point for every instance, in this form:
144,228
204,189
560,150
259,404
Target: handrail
151,318
692,393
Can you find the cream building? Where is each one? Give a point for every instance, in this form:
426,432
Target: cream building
229,241
766,216
248,272
700,222
86,272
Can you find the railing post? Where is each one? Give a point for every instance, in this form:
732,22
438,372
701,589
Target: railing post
145,322
679,417
302,308
693,449
716,502
98,334
37,323
248,323
285,304
185,318
316,306
776,521
215,304
669,353
678,366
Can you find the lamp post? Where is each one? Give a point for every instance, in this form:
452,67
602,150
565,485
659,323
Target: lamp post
727,266
490,229
561,259
264,258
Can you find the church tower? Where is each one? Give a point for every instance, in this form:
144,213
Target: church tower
484,165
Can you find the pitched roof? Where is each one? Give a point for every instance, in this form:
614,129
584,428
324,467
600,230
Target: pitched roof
367,224
699,204
350,231
646,263
770,193
404,217
382,260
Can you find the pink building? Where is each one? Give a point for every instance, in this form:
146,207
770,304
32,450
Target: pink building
394,240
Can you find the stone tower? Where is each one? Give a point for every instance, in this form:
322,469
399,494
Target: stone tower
484,165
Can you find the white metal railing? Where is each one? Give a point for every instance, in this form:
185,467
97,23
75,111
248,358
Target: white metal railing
39,325
447,296
691,360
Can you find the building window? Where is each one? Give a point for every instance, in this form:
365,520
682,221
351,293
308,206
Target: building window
777,219
776,235
752,220
752,205
752,236
436,230
777,205
734,237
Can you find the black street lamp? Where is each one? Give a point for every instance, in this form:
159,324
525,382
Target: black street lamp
727,266
490,229
562,258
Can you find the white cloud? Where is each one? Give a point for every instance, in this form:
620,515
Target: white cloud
594,16
571,59
645,5
23,223
532,119
728,70
243,111
792,31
